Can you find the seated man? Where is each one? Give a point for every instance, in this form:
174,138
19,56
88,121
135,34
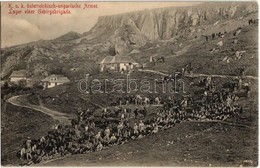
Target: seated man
106,139
89,146
107,131
28,154
126,134
155,128
99,147
113,139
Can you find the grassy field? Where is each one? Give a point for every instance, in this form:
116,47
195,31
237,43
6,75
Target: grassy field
187,144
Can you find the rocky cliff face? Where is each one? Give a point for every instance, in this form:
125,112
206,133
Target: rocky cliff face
168,22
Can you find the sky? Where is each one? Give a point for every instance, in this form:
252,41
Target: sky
24,28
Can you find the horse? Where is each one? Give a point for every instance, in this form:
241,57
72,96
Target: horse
146,100
21,154
139,99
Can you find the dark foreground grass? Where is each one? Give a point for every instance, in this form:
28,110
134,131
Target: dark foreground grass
186,144
17,124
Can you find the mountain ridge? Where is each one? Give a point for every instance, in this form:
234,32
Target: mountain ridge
163,23
125,32
71,35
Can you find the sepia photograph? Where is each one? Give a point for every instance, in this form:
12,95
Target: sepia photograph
147,84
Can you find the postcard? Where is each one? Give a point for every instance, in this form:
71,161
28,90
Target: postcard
129,83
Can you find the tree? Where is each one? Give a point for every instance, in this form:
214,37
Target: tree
112,51
37,86
22,83
5,86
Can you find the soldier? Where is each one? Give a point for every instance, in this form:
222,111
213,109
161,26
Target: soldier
106,139
183,71
28,143
136,112
213,36
98,137
107,131
135,129
157,100
162,58
242,71
141,127
113,139
155,128
120,128
99,147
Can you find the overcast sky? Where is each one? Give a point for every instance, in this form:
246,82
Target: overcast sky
19,29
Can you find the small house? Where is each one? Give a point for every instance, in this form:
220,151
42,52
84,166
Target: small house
16,76
117,63
54,80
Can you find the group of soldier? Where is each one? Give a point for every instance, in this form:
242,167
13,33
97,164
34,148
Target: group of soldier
118,124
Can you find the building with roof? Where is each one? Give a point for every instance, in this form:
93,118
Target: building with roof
54,80
117,63
16,76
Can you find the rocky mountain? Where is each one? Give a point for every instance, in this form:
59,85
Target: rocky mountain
168,22
143,30
163,24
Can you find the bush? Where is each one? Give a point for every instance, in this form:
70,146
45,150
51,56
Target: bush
22,83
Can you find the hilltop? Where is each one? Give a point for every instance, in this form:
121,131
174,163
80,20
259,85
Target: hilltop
69,36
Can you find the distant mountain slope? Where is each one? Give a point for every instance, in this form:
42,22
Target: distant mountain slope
69,36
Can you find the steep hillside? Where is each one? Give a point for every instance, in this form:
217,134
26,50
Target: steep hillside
46,57
208,57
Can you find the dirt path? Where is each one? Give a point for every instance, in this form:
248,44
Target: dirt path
198,75
20,101
153,71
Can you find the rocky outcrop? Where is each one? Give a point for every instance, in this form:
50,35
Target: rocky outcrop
166,23
127,37
135,29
